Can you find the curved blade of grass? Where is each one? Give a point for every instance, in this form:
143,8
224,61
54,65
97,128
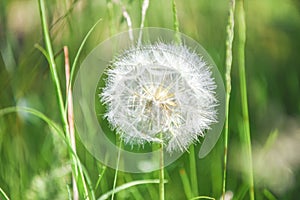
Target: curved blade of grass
3,194
62,109
43,51
127,185
228,63
36,113
203,197
80,49
83,174
77,57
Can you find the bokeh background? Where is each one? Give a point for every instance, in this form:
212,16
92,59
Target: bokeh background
33,160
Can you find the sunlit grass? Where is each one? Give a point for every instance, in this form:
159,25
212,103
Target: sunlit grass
262,85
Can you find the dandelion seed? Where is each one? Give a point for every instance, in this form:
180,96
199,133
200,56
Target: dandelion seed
160,89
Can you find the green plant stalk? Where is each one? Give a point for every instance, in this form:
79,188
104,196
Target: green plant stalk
193,171
52,63
176,22
186,184
116,171
246,139
52,125
228,63
161,173
3,194
54,75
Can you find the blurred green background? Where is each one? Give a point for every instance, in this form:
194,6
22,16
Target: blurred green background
33,160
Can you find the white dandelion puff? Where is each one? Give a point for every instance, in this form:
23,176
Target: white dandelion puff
162,93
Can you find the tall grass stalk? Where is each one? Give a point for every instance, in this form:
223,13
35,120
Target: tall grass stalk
70,117
116,171
144,11
50,56
245,136
176,22
228,63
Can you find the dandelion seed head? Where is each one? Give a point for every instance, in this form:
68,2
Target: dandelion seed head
160,89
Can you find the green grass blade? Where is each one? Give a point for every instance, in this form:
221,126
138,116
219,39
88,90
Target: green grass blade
82,173
127,185
36,113
62,109
193,170
228,63
77,58
80,49
43,51
176,22
52,61
203,197
186,184
3,194
117,169
245,136
103,170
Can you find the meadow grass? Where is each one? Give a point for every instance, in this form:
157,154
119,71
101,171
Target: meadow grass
29,149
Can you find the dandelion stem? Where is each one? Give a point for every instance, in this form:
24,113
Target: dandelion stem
161,172
246,138
229,41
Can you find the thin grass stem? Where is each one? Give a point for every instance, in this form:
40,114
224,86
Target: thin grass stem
71,119
116,171
186,184
176,22
246,138
193,171
228,63
52,62
55,79
144,11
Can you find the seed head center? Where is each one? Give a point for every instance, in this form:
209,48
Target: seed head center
162,99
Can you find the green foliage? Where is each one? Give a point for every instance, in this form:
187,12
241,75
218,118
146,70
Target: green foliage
35,160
